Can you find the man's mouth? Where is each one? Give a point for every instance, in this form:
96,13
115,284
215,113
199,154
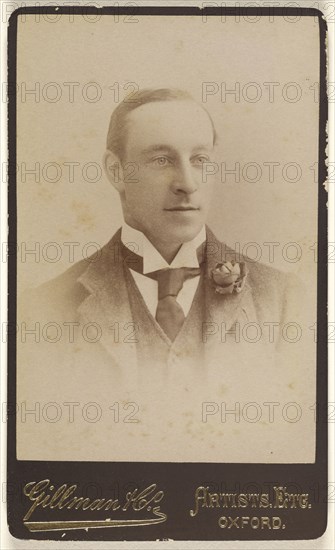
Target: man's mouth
182,208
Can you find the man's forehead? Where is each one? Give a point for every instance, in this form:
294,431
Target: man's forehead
184,120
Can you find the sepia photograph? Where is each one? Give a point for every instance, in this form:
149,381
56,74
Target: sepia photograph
167,214
194,295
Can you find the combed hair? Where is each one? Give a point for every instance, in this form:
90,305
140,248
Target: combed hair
117,131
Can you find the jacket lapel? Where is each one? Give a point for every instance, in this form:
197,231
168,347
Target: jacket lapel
224,308
108,304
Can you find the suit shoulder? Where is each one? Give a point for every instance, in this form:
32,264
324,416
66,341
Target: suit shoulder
271,278
62,295
266,277
276,291
64,283
55,297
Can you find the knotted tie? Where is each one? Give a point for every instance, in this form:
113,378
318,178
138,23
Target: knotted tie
169,314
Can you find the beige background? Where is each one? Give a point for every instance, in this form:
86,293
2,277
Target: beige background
173,51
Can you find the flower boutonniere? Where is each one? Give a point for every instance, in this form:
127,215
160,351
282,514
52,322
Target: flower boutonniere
229,277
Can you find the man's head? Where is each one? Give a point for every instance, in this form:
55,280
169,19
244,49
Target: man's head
157,144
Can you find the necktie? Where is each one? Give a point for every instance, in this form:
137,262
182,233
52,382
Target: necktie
169,314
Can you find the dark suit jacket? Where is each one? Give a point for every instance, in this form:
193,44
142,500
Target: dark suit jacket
84,353
94,291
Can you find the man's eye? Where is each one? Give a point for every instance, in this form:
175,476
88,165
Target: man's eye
200,159
161,161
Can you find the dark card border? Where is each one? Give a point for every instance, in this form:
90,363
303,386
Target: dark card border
178,481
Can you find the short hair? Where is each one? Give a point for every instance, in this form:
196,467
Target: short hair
117,131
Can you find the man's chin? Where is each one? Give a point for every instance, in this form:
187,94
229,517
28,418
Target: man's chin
182,235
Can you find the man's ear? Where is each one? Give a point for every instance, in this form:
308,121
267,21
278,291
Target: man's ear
113,170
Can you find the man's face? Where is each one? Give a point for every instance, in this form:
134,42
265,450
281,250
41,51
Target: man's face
168,143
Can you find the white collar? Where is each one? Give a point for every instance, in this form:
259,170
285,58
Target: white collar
152,260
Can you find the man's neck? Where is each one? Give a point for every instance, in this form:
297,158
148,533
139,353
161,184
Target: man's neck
168,251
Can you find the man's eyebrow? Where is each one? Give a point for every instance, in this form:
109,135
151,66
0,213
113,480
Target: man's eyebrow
202,147
162,147
158,147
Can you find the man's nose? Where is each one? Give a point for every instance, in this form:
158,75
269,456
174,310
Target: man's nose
184,179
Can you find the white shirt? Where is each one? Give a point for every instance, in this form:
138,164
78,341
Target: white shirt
152,261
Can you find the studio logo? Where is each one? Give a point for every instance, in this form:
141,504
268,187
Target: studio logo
43,493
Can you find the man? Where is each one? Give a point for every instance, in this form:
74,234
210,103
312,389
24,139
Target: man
165,307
